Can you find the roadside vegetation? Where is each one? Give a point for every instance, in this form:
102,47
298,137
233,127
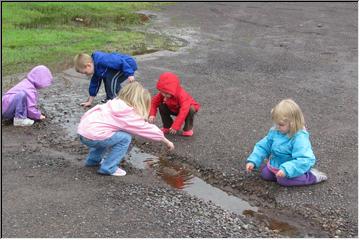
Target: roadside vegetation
51,33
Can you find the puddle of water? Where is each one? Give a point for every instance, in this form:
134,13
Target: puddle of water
273,224
178,177
207,192
140,159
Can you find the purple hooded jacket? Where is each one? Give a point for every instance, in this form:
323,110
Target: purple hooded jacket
39,77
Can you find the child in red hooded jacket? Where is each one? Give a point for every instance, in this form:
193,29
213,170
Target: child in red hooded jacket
173,100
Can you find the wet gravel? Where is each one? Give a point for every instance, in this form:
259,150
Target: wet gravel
48,193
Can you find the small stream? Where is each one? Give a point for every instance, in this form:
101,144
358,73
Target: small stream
176,175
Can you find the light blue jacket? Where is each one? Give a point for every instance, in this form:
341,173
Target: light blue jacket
293,155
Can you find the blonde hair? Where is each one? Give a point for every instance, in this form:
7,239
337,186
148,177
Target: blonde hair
80,61
136,96
288,111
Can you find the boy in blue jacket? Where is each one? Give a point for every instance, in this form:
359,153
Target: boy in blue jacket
112,68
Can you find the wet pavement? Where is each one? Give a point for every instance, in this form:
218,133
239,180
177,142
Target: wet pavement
238,60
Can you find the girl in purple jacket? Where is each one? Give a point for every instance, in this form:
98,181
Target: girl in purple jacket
20,102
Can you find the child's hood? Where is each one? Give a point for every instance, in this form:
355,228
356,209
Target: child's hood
40,76
169,83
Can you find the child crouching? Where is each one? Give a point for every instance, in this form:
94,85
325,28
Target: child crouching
20,102
110,126
172,99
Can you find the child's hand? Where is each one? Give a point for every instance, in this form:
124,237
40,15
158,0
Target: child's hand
131,79
170,146
249,167
85,104
151,119
172,131
88,102
42,117
280,173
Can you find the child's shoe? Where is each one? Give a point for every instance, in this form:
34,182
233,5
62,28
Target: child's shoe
165,130
105,100
23,122
320,176
119,172
187,133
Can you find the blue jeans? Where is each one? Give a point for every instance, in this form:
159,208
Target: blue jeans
117,146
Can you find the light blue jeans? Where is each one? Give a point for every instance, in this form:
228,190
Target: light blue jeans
115,147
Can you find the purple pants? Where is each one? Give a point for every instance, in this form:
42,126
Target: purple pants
18,107
306,179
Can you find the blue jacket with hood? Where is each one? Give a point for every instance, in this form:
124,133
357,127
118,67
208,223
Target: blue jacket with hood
293,155
104,61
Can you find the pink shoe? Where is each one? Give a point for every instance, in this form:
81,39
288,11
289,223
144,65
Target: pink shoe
187,133
165,130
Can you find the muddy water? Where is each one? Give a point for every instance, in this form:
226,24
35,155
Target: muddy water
180,178
177,176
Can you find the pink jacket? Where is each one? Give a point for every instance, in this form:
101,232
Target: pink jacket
103,120
39,77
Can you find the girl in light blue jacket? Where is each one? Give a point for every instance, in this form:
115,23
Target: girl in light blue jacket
288,148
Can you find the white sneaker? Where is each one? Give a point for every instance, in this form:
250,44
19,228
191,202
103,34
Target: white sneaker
119,172
23,122
320,176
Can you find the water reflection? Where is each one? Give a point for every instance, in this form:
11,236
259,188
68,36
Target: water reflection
177,176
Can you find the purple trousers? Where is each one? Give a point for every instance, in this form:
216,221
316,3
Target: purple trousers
306,179
18,107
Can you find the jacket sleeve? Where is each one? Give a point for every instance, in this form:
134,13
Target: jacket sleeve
262,150
155,102
127,69
183,112
94,86
138,126
303,157
32,110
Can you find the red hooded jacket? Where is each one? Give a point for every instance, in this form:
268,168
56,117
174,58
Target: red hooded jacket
179,102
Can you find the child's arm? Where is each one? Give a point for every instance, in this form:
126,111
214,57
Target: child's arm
262,150
32,110
136,125
303,157
155,102
94,87
140,127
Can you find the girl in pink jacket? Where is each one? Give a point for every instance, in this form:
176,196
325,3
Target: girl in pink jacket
109,127
20,102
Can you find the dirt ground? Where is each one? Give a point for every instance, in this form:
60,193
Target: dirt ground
240,59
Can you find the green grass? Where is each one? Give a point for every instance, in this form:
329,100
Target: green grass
51,33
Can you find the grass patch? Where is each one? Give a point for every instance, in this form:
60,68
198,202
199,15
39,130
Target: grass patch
51,33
